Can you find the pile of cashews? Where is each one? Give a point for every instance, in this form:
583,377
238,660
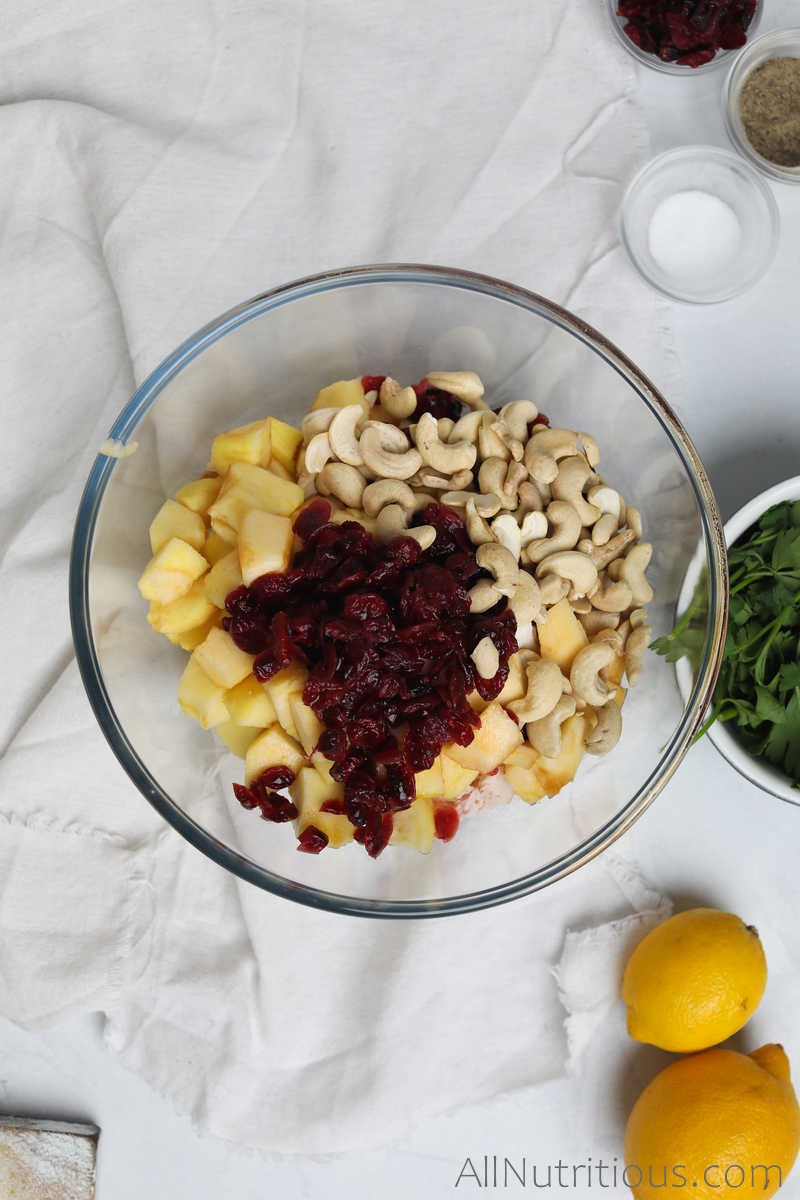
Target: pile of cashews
545,526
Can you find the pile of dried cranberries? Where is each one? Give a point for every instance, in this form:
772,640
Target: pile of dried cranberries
386,634
689,32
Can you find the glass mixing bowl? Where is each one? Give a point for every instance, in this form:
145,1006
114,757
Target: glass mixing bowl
270,355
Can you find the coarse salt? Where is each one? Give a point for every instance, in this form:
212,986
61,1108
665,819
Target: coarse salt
693,235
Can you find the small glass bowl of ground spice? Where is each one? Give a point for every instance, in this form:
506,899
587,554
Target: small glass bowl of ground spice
684,37
762,104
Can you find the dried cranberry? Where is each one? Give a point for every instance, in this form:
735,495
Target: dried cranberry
277,777
312,840
372,383
688,32
332,806
445,821
317,513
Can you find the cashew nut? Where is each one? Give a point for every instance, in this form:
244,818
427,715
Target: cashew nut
466,428
607,731
545,734
545,448
601,556
486,658
604,529
500,563
590,449
507,532
344,482
477,526
399,402
487,506
518,416
585,675
390,523
531,497
317,421
545,687
427,477
387,491
386,452
553,588
342,434
595,620
612,597
526,603
490,443
501,479
464,385
631,570
532,528
483,595
317,453
573,475
446,426
570,564
445,457
424,534
634,519
567,530
637,643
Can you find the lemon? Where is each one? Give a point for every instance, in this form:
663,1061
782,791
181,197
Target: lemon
714,1125
694,980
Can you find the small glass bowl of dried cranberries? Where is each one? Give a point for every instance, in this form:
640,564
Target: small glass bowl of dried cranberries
682,37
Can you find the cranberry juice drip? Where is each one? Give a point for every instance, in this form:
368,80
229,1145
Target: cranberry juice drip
386,634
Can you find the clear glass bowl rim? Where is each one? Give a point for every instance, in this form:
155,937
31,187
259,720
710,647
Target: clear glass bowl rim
721,58
196,835
734,81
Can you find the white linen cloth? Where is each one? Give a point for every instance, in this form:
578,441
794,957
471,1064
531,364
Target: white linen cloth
161,162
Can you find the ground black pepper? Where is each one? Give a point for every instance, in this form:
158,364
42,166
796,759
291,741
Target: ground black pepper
769,106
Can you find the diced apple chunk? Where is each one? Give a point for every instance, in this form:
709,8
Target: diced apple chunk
238,738
554,773
193,637
272,748
249,704
171,572
174,521
222,660
309,792
497,736
245,487
519,771
224,577
200,697
200,494
561,635
430,784
323,765
215,548
340,394
187,612
245,444
308,725
281,688
455,777
265,544
286,441
513,689
279,469
415,827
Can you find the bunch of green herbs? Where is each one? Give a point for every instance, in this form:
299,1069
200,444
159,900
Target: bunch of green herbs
759,683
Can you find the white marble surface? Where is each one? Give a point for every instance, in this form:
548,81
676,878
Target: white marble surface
710,837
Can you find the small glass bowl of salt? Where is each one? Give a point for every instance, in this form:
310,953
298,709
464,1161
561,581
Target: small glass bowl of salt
700,224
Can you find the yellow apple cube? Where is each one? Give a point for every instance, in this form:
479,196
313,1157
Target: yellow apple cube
265,544
561,635
430,784
245,487
222,660
249,704
554,773
238,738
286,441
245,444
309,792
278,469
308,725
323,765
174,521
415,827
496,738
200,697
171,572
281,688
193,637
519,771
455,778
224,577
200,494
513,689
215,548
272,748
340,394
183,614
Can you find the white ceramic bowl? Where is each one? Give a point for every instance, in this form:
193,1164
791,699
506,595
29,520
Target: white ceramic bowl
757,770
